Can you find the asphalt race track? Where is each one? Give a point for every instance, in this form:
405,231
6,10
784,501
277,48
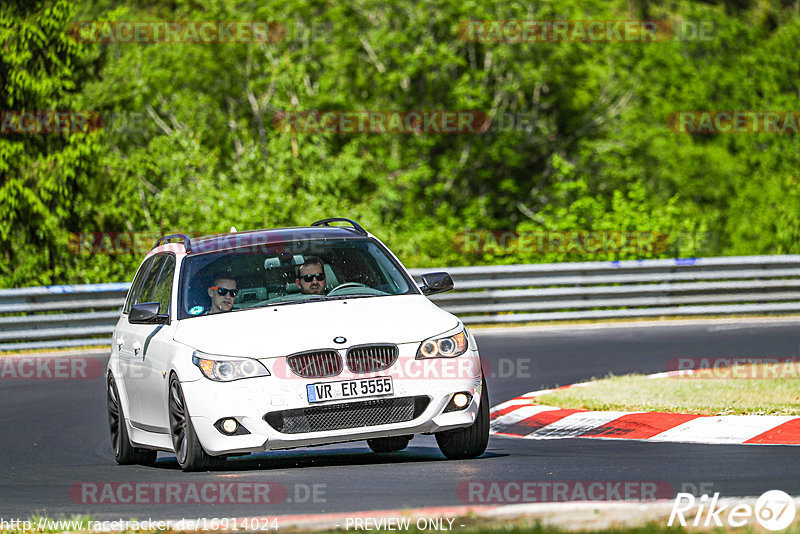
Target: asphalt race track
55,435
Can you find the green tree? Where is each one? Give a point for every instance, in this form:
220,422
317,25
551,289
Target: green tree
41,69
579,137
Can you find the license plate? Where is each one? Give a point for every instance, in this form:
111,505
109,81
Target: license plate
349,389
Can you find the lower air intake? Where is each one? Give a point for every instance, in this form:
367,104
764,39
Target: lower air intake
351,415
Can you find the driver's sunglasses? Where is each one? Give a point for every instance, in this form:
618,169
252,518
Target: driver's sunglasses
309,277
222,291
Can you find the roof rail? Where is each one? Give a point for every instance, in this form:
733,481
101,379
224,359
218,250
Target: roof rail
187,243
356,227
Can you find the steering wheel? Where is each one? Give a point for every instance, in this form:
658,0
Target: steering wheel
346,285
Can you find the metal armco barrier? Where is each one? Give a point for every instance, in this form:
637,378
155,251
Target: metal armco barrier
64,316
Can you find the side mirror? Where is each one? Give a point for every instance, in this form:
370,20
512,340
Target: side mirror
436,283
147,313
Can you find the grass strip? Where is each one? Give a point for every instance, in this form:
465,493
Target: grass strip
750,389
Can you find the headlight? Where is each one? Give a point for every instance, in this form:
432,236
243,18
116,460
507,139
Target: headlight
227,370
443,347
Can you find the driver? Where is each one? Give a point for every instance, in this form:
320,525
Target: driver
222,292
311,277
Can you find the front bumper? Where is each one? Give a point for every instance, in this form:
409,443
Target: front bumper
429,384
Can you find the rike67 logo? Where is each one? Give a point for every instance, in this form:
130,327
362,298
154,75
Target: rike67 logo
774,510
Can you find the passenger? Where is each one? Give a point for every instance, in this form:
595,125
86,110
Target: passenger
311,277
223,291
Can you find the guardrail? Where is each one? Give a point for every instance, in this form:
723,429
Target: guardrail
65,316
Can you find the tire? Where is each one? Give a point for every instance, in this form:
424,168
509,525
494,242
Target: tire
188,451
469,442
391,444
124,452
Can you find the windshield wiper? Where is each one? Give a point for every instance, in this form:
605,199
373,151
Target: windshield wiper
354,295
310,298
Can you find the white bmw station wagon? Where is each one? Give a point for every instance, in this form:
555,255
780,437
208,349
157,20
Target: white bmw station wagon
291,337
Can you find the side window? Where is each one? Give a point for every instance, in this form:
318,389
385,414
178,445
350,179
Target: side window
136,286
149,284
163,290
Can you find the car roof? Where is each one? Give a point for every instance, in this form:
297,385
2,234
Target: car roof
264,237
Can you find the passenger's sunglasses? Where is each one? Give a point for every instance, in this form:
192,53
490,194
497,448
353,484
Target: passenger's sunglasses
309,277
222,291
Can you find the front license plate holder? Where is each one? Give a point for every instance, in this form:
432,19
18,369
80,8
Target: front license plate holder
357,388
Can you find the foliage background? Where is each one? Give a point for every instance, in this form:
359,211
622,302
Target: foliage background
188,143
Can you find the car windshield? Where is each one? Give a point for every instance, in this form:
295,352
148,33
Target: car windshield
266,275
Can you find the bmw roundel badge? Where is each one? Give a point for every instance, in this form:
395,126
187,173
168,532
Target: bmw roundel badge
339,340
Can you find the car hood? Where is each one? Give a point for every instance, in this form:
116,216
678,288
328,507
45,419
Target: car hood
280,330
